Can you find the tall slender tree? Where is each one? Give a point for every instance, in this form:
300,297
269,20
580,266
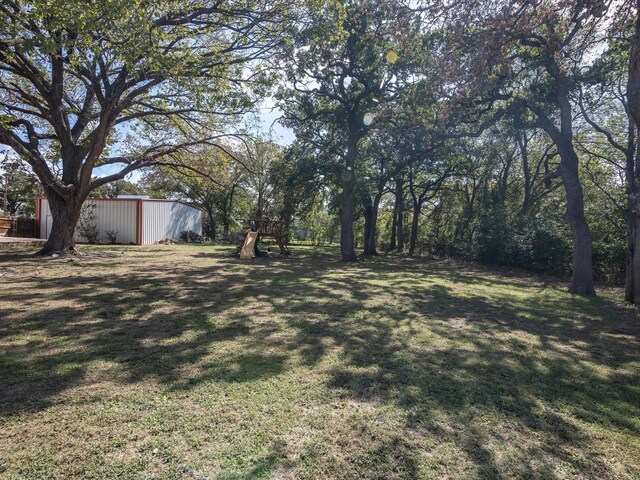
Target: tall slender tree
532,53
346,62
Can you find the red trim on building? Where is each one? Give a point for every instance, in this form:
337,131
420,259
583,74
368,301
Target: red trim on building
38,207
139,222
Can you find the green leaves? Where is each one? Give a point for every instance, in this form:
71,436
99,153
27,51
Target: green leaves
5,120
174,71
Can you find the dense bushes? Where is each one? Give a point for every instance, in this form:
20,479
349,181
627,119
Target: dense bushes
540,242
533,244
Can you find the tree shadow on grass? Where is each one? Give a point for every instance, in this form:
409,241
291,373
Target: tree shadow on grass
476,373
470,369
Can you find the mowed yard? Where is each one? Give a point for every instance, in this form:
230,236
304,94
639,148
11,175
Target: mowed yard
179,362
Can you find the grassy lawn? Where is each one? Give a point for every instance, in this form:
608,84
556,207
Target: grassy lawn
183,362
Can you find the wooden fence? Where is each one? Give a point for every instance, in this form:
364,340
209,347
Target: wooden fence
18,227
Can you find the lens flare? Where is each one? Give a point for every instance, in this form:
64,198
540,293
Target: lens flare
392,57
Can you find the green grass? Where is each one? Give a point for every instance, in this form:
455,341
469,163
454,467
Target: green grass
183,362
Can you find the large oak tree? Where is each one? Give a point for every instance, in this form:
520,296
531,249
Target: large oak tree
532,53
124,84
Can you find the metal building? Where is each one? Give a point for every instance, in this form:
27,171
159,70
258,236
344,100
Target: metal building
139,221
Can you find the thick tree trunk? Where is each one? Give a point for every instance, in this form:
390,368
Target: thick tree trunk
629,280
65,213
286,229
394,224
582,277
368,208
400,214
371,238
413,237
347,240
633,210
400,228
260,208
632,270
632,284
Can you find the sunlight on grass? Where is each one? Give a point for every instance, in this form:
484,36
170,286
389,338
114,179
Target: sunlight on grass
174,361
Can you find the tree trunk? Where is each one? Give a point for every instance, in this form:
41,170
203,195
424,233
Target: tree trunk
400,228
260,207
211,224
226,213
413,238
582,277
286,225
394,224
347,241
368,208
629,280
226,221
65,213
524,152
632,266
371,238
400,214
632,283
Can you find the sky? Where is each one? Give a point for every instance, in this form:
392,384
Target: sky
269,115
268,125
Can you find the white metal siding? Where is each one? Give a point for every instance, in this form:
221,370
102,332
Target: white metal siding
117,215
162,220
45,219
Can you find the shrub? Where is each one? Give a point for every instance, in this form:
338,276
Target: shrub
111,236
87,227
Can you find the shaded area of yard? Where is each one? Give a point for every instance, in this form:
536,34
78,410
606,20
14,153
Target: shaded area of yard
180,362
